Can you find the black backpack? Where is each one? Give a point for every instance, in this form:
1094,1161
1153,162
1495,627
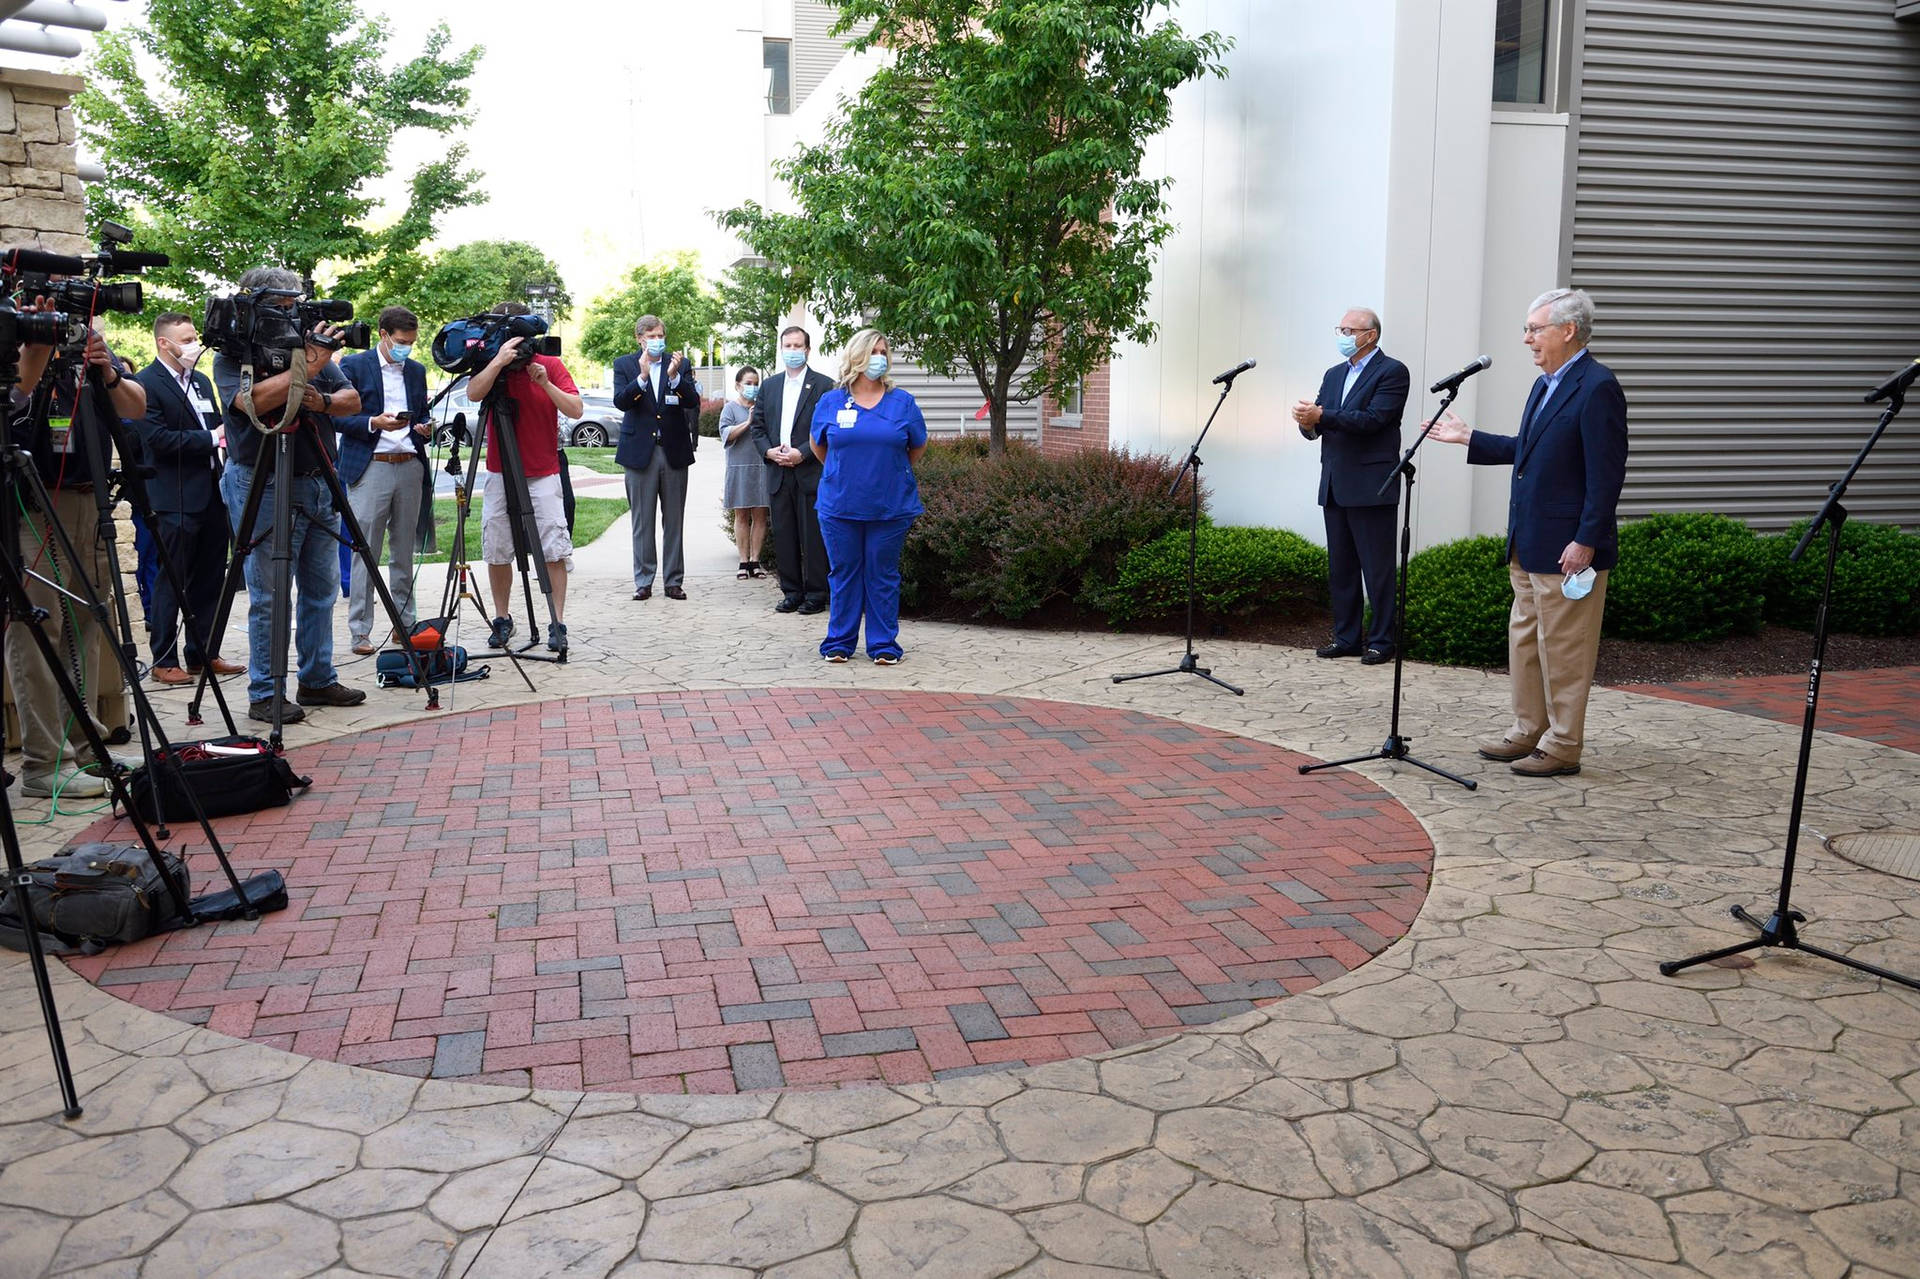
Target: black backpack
93,897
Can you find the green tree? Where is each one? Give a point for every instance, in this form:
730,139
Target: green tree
670,287
980,201
245,132
755,301
466,280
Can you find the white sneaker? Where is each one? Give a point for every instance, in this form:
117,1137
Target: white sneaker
76,786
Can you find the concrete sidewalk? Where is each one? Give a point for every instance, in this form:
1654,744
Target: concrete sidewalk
1510,1089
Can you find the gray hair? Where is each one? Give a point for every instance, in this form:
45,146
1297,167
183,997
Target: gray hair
1373,316
1568,306
272,277
645,322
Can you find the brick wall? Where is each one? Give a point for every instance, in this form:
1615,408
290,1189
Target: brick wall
1061,435
42,201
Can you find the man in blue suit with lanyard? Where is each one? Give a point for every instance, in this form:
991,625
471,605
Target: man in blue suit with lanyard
1356,418
1569,462
383,463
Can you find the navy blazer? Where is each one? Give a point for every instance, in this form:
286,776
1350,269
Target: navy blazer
357,436
676,427
178,443
1567,469
1360,435
763,424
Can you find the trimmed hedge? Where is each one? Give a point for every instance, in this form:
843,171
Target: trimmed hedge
1237,570
1686,578
1458,600
1876,580
1003,537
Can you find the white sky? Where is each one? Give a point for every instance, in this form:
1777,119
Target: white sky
562,93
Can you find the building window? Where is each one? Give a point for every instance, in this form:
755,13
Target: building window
1523,52
1071,405
774,56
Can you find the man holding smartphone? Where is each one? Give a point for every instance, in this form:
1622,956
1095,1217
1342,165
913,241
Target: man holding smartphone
383,463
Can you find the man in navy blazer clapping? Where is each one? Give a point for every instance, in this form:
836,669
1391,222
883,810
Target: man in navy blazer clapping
1356,418
1569,462
178,435
658,435
383,463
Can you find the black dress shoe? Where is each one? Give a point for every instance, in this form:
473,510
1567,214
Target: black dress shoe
676,593
814,606
787,605
1336,650
1375,656
644,593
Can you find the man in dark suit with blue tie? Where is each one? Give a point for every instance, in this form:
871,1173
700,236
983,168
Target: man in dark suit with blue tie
658,436
1569,462
383,463
189,519
1356,418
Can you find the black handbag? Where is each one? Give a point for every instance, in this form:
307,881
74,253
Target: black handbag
226,774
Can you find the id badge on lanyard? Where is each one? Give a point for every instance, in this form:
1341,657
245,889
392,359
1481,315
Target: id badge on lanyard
61,429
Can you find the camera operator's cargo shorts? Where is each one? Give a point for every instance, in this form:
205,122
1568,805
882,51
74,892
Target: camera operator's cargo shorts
549,521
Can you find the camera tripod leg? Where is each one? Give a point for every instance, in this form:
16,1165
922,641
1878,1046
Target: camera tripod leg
460,578
19,882
356,541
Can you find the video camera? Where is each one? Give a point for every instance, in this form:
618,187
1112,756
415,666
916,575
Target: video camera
265,327
81,294
464,347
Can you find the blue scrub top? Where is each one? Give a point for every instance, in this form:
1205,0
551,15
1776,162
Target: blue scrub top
867,475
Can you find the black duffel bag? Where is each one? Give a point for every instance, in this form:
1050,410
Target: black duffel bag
96,896
227,774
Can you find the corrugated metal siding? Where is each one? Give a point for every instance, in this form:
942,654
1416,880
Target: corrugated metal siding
814,51
1747,218
950,403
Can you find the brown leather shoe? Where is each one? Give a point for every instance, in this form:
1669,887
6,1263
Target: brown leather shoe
221,666
364,647
171,675
1541,764
676,593
1504,749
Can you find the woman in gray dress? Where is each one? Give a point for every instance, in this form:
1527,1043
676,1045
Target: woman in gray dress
745,491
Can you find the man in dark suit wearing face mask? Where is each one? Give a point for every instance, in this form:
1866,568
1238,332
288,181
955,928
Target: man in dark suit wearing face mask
780,429
1356,418
658,436
189,519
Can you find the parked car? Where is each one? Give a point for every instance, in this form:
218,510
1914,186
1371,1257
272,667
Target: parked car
596,427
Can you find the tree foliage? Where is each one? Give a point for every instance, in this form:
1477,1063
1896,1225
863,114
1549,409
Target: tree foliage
981,200
255,142
466,280
754,304
670,287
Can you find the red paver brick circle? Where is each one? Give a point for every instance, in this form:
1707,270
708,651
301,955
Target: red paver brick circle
754,889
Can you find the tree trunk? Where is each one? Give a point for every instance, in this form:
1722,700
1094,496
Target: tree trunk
997,412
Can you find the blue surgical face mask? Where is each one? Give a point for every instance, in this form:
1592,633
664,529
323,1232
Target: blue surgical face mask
876,367
1577,586
656,347
1348,345
399,352
793,358
750,391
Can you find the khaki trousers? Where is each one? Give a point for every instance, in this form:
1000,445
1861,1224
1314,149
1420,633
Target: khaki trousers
47,729
1552,644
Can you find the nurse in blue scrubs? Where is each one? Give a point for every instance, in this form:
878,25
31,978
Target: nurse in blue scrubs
868,433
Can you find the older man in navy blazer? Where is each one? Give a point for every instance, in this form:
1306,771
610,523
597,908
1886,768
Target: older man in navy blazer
383,463
658,436
1569,462
1356,418
178,436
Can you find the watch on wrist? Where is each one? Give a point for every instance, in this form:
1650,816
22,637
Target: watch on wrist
326,401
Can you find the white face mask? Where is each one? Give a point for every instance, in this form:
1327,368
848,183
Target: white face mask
188,353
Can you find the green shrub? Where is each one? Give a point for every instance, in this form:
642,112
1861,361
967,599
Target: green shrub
1236,570
1687,577
710,417
1459,597
1005,536
1876,580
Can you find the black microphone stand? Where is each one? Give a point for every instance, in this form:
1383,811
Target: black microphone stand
1395,746
1190,663
1779,929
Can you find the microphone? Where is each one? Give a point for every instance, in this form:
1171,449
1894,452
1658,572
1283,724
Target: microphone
43,263
1235,371
122,261
1895,385
1453,380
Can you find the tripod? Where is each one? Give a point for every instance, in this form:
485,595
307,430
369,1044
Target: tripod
280,531
1780,927
1190,661
497,419
1395,747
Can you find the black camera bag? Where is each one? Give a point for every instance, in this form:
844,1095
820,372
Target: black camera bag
224,784
394,669
96,896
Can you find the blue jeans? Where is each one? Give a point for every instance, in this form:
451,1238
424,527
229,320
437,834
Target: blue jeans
316,579
863,578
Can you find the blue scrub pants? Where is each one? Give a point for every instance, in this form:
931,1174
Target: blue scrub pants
863,579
